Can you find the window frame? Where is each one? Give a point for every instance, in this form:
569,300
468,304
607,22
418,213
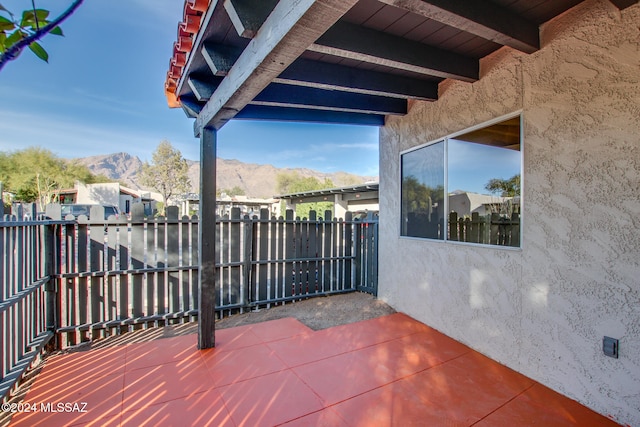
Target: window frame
445,139
444,184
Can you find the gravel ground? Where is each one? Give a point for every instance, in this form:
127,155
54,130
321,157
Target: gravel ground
318,313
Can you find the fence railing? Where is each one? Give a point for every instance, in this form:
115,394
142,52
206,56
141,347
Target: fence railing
27,307
88,279
115,276
492,229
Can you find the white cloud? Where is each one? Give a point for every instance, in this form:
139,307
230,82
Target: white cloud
68,138
329,157
319,151
81,99
373,146
167,10
85,98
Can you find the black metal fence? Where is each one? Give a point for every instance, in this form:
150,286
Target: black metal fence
79,280
27,297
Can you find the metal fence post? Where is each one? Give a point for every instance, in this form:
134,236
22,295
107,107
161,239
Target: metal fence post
247,277
49,267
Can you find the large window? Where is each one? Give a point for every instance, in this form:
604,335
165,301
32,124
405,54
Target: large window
479,172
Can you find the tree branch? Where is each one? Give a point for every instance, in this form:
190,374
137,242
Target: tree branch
14,50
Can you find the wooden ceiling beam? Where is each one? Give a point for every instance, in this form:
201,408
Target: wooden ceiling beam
220,58
323,75
190,106
248,16
293,26
281,95
481,18
266,112
202,87
351,41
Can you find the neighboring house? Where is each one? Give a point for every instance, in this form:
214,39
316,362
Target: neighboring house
554,88
354,198
466,203
190,204
248,206
67,196
109,193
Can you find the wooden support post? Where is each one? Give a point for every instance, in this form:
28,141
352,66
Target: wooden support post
206,240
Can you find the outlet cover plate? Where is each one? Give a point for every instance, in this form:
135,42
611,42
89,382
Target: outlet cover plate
610,347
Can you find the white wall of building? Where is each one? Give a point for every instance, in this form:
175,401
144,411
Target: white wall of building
111,193
543,309
100,194
468,203
127,200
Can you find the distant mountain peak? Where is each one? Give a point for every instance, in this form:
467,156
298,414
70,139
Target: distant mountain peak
255,180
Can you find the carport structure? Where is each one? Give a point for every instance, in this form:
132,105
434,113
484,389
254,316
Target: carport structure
366,62
353,198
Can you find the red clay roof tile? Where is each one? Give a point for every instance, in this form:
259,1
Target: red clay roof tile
190,25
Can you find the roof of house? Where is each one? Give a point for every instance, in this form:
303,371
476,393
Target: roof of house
364,191
344,61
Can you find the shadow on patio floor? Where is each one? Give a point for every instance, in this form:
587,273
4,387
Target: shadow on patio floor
385,371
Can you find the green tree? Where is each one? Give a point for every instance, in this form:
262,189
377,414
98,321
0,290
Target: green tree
235,191
36,174
289,183
418,197
33,24
505,187
167,173
347,179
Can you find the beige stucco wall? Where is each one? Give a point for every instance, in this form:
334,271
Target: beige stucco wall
542,310
101,194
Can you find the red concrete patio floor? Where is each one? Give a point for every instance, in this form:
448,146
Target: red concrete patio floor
389,371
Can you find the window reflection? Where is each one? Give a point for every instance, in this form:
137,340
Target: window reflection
483,187
423,192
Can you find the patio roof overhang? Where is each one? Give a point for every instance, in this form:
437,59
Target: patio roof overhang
339,61
336,61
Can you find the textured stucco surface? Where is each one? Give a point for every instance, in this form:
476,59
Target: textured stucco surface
544,309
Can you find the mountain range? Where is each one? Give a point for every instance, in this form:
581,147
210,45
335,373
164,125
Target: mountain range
255,180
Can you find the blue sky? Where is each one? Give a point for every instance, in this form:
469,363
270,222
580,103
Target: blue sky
471,166
102,92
